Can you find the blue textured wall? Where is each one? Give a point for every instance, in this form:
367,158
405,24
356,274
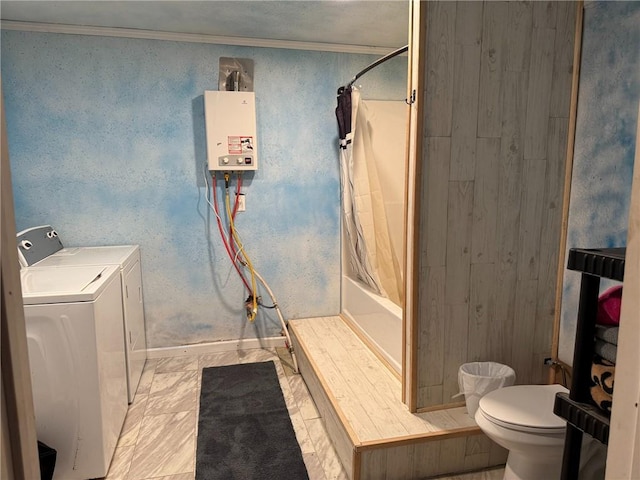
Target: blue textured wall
605,142
106,139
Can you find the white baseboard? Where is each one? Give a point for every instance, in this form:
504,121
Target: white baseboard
216,347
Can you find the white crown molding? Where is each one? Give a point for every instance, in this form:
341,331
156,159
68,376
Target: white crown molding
189,37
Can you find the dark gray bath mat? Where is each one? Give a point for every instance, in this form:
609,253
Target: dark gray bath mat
244,429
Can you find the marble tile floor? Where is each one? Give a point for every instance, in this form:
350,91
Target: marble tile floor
158,439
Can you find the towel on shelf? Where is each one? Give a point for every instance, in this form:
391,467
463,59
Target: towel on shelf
602,380
607,334
609,306
606,350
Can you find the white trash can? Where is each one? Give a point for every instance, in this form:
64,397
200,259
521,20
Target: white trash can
476,379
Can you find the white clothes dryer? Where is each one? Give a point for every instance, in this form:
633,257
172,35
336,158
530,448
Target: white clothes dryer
74,325
42,247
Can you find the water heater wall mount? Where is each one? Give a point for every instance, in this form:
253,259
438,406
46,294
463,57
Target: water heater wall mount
230,122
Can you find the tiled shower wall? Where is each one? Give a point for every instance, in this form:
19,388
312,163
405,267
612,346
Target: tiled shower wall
498,89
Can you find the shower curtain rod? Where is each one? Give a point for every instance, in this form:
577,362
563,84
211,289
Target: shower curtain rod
373,65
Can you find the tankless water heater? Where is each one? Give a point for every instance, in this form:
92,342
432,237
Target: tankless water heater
230,122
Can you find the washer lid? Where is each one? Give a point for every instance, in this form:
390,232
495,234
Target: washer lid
41,285
110,255
524,405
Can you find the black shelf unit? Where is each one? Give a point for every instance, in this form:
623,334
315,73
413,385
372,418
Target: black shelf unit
576,407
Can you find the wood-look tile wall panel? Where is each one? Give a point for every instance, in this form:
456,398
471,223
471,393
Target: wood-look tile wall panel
437,457
481,450
468,23
436,193
466,72
523,329
531,204
554,184
518,44
501,79
481,312
433,334
514,95
511,164
501,334
563,60
455,348
458,259
493,38
545,13
426,459
539,92
439,74
388,463
485,195
465,112
477,444
452,453
373,464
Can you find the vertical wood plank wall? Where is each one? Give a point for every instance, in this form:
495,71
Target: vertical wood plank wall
497,105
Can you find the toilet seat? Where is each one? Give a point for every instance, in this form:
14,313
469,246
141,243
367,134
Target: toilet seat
525,408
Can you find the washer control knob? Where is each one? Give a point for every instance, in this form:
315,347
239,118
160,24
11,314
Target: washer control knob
225,160
26,244
240,161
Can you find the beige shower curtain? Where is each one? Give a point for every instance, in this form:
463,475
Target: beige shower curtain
371,210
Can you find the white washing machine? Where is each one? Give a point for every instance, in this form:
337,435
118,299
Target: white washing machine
74,324
41,246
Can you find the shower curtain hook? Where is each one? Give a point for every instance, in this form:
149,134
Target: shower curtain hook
411,100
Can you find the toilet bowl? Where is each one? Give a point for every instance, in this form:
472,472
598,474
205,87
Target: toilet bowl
521,419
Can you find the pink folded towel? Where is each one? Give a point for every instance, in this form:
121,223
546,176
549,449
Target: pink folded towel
609,306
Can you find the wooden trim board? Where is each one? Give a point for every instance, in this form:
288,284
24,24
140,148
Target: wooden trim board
410,324
413,439
441,407
573,112
189,37
18,440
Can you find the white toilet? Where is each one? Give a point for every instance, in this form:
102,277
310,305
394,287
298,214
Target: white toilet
521,419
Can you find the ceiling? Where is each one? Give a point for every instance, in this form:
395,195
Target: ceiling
345,22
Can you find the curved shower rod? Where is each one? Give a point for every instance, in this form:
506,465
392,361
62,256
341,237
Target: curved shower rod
395,53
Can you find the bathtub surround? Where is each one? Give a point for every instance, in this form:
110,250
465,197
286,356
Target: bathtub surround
372,166
106,138
498,79
376,320
373,170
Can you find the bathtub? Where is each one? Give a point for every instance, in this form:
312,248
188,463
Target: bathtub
375,318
